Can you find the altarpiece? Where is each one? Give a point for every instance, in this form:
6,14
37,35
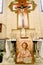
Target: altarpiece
24,44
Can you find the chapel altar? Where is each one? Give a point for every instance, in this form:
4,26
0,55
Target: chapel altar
21,44
22,8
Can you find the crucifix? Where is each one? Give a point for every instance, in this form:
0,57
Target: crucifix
22,7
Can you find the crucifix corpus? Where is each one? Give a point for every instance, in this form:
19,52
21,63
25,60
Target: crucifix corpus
22,7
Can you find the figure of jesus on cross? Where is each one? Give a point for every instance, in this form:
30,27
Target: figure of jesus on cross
22,8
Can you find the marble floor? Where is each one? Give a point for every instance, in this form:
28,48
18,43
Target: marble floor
38,61
20,64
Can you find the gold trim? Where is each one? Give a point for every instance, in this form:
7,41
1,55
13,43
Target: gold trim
33,6
10,6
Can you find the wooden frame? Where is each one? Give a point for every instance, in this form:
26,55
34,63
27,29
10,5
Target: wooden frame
0,27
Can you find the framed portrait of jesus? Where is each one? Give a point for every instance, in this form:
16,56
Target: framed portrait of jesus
24,51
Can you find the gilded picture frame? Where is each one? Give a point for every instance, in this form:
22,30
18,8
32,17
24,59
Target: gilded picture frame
28,56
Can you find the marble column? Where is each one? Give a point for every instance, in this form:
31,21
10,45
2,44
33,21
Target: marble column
41,50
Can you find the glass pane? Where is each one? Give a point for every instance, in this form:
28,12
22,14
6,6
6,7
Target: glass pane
1,6
42,5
